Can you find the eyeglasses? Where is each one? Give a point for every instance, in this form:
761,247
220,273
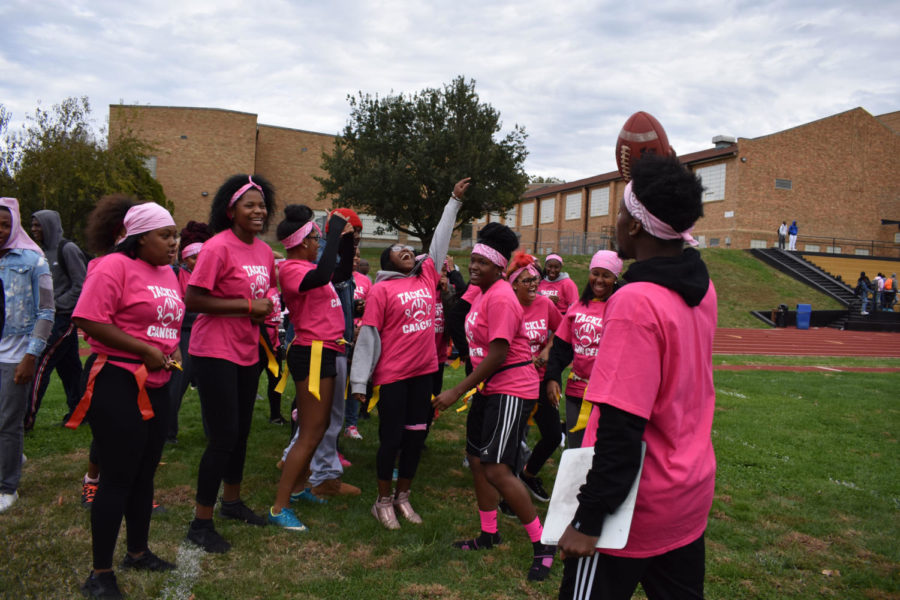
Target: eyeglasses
399,248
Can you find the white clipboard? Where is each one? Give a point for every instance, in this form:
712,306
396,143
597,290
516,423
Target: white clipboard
573,468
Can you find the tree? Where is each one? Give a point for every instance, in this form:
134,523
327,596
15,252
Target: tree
59,162
399,157
542,179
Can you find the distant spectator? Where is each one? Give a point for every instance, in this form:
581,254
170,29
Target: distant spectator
863,287
890,291
792,236
878,288
782,234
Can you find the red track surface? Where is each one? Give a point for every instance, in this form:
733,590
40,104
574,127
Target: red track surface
791,341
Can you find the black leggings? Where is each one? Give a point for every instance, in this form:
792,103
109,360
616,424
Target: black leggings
128,450
227,395
546,417
403,409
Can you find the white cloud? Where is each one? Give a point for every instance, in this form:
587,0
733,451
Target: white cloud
570,72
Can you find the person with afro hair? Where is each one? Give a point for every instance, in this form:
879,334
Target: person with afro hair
654,385
500,354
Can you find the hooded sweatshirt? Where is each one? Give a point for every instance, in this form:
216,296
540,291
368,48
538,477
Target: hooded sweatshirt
398,322
67,263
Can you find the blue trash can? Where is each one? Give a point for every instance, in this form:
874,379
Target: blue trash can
803,313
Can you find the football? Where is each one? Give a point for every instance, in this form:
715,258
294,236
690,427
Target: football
642,134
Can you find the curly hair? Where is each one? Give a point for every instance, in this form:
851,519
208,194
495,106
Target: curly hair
295,217
499,237
669,190
519,260
194,232
218,212
105,223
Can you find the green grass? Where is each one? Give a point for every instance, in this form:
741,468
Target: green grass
807,485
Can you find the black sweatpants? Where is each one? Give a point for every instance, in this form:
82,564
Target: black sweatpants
128,450
227,395
675,575
546,417
403,410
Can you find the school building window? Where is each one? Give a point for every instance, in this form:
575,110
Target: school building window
494,217
784,184
547,206
573,206
599,204
527,219
713,180
511,217
758,244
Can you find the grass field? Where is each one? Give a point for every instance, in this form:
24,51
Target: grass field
807,506
807,499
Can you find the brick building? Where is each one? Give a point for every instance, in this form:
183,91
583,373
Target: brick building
196,149
838,177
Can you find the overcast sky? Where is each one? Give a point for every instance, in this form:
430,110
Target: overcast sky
570,72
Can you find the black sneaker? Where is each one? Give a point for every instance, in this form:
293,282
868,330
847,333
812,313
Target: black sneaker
147,562
279,420
208,539
101,585
542,562
535,486
239,511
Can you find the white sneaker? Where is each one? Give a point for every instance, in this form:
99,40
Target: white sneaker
353,432
7,500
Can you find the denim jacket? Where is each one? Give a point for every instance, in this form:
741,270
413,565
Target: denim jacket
28,292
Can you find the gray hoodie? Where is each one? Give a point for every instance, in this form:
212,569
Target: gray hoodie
68,270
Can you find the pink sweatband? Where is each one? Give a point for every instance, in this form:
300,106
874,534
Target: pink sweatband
530,268
145,217
652,225
607,259
490,254
488,520
554,257
243,190
534,530
296,238
191,250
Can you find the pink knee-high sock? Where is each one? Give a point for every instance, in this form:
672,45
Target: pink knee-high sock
489,520
534,530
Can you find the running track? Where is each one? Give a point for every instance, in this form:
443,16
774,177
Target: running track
790,341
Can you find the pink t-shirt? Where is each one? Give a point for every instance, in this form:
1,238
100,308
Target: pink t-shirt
497,314
402,310
316,313
564,289
184,276
142,300
540,319
363,285
229,268
582,327
657,364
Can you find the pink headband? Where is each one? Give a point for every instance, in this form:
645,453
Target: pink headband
17,236
652,225
145,217
553,257
296,238
490,254
607,259
529,268
243,190
191,250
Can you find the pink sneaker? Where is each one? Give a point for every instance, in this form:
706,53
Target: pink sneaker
353,432
344,462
